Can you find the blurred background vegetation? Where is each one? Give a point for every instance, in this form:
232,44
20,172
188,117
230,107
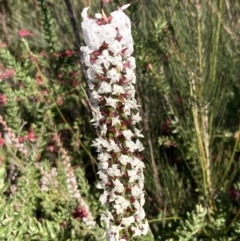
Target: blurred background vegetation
188,70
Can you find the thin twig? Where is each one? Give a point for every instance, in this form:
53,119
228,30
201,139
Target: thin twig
77,40
157,183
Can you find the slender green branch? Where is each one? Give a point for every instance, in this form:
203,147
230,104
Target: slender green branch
216,42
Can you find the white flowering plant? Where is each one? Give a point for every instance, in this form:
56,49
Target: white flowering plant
187,55
111,78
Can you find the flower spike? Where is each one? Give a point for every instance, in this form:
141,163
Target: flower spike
111,79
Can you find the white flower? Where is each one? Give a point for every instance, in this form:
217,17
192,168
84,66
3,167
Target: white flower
136,204
127,42
103,165
124,159
127,134
131,104
140,214
117,60
130,76
130,145
104,88
93,70
112,102
121,204
114,171
138,132
107,34
138,145
117,89
127,221
136,191
136,230
98,15
104,180
86,55
115,47
84,13
100,143
130,91
106,217
122,22
112,146
111,78
89,28
103,198
118,186
97,68
124,7
95,95
132,62
103,129
90,84
96,116
104,59
137,163
103,157
112,195
116,121
129,49
91,73
142,200
145,228
113,233
133,176
113,75
136,118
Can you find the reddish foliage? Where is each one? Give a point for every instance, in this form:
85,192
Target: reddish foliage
6,73
1,140
3,99
234,194
80,212
31,135
25,33
59,101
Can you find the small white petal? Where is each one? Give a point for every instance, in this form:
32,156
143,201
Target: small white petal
124,159
98,15
111,102
116,121
103,198
133,176
118,186
117,89
136,191
115,47
138,132
84,12
127,221
125,7
139,146
136,118
103,156
103,129
114,171
128,134
104,88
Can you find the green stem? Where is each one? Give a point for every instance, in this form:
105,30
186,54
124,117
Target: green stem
216,43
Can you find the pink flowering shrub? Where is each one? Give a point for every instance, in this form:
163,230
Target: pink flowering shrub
54,185
111,79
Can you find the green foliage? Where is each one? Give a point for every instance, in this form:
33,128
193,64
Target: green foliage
48,26
187,56
193,225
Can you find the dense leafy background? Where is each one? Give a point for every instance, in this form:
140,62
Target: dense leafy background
188,62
